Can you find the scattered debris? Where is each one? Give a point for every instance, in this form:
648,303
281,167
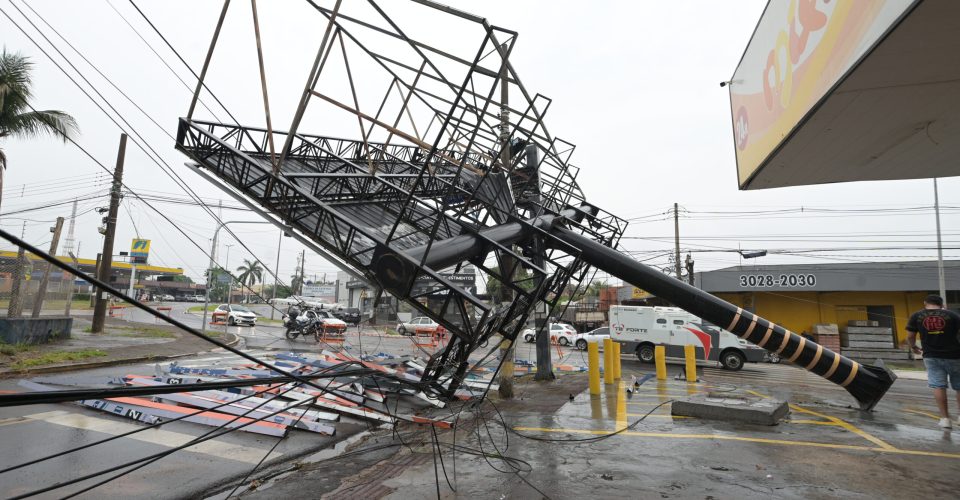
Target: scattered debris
275,408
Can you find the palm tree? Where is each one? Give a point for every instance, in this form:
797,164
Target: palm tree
18,118
250,274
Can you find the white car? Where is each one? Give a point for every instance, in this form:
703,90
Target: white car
592,336
420,322
560,333
234,315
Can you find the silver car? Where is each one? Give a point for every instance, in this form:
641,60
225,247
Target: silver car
421,322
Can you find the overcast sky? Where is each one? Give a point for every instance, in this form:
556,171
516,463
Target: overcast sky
634,86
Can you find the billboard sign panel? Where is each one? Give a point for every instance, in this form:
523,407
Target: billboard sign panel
799,51
139,251
319,290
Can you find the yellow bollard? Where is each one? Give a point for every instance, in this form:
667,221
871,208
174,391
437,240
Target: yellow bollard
660,354
607,361
593,365
690,353
616,360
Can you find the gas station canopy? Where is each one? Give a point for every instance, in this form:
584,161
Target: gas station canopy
836,91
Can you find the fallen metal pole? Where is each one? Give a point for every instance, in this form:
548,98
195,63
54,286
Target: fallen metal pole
866,383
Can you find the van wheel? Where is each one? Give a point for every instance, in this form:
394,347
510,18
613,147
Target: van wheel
528,338
582,345
732,360
645,353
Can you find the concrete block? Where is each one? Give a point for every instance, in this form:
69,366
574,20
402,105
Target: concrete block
858,344
870,355
731,408
869,337
863,322
825,329
35,330
869,329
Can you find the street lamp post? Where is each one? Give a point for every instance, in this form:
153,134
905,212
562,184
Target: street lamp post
213,250
226,264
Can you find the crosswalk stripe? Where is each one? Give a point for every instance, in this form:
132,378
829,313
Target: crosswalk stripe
160,437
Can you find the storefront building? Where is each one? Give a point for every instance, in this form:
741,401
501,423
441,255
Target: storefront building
799,296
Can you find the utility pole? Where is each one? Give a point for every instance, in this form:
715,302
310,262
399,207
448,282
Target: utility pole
303,265
276,277
96,272
508,264
18,288
76,264
936,206
230,283
689,266
45,280
106,259
676,239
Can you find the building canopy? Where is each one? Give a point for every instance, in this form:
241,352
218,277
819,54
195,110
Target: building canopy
848,91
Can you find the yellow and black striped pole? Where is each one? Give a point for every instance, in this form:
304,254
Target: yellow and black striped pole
866,383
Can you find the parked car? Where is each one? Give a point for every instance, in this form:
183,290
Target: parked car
233,315
560,333
167,298
597,336
349,315
420,322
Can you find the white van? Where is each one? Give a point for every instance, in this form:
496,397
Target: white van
640,329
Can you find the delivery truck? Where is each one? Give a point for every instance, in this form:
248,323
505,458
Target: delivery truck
640,329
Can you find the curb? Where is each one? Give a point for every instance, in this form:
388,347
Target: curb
102,364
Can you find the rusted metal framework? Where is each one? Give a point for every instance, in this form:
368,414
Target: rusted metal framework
444,152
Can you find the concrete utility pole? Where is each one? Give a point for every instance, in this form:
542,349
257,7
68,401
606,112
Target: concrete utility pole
936,206
506,346
106,259
676,239
45,280
276,277
18,289
689,266
76,264
303,265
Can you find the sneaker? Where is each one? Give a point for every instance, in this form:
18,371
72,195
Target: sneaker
945,423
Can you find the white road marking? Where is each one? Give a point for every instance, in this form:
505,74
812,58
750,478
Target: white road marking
161,437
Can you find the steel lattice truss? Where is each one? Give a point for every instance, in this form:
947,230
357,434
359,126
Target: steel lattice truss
447,145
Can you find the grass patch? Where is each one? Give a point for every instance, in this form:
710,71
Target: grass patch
77,304
197,309
154,333
14,349
55,357
391,331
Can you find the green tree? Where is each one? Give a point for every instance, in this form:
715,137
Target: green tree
17,116
496,290
251,273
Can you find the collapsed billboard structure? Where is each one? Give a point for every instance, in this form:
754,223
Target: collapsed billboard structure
452,165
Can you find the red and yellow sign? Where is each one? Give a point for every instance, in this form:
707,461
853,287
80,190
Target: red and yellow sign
799,51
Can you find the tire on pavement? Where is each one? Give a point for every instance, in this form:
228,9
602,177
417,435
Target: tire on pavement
732,360
582,344
645,353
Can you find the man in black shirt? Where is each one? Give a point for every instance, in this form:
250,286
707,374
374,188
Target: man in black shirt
939,329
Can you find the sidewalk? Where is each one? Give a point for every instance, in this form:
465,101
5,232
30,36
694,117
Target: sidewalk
121,343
